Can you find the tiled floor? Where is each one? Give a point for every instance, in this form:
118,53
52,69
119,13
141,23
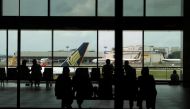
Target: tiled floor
169,97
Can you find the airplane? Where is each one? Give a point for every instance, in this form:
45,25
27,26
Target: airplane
171,60
102,60
75,59
44,62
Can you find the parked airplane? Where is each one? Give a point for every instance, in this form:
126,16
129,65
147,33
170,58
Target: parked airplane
172,60
44,62
74,60
102,60
76,57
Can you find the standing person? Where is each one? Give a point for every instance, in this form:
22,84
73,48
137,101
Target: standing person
24,71
63,89
147,89
131,84
105,89
82,85
36,74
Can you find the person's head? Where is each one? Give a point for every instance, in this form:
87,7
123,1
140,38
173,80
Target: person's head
107,61
126,63
66,71
174,72
24,62
145,71
34,61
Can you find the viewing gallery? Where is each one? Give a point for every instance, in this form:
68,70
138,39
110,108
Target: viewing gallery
83,35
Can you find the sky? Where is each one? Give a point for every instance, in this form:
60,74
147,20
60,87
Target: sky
40,40
87,7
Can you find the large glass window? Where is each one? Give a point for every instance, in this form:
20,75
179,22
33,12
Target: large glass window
10,7
3,48
33,7
164,8
72,8
133,7
8,89
35,44
106,7
74,48
163,48
132,47
12,48
106,47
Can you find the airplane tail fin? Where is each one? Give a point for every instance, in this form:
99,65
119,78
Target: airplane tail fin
76,57
139,56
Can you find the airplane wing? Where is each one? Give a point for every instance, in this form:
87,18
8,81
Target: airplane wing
77,56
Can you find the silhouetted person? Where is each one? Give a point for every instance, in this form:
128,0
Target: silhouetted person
131,84
48,76
36,74
95,76
174,78
105,85
147,89
63,89
2,76
82,85
24,71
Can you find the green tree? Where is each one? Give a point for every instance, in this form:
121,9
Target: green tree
174,55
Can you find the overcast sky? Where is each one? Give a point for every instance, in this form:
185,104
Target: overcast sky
41,40
87,7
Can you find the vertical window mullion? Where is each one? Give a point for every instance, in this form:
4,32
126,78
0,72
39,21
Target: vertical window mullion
49,6
142,48
97,48
1,7
18,64
52,42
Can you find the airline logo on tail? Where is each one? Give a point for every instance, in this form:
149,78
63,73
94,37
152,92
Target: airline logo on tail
76,57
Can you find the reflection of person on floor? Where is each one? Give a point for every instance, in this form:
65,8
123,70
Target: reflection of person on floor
174,78
36,73
63,89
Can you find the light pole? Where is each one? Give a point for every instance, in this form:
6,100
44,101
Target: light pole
105,51
67,50
150,54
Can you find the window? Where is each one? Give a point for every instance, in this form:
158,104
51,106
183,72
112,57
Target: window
106,46
133,7
164,8
12,48
10,7
3,48
106,8
33,7
72,8
132,47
